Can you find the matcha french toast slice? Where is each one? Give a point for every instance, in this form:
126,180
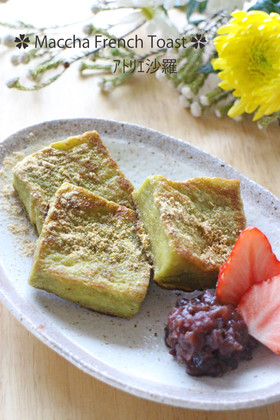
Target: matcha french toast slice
89,253
192,227
82,160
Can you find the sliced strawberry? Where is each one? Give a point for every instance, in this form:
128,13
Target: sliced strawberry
251,261
260,309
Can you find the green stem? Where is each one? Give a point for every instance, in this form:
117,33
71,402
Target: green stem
95,66
269,119
223,110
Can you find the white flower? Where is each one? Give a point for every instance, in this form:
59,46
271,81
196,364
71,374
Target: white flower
187,92
161,24
8,40
95,8
12,82
144,3
134,19
120,23
160,76
23,58
87,29
138,3
204,100
150,11
196,109
184,102
108,86
105,85
29,76
100,83
218,113
229,5
167,4
14,59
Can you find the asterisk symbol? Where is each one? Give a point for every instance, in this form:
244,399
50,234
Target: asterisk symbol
198,41
22,41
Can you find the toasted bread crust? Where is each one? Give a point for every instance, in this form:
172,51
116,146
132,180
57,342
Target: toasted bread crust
83,160
198,222
89,252
225,193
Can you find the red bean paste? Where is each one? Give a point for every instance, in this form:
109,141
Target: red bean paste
208,337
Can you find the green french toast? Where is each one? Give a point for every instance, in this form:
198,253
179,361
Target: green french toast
89,253
83,161
192,227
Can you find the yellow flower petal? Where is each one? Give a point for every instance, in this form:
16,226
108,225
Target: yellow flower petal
237,109
258,114
249,59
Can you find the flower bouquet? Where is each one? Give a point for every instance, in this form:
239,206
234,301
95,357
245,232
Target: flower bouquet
221,56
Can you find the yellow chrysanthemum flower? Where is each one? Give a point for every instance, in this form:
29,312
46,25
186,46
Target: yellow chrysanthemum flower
249,59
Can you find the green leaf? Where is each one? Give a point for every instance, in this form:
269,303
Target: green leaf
192,6
202,6
267,6
207,68
277,7
196,21
195,5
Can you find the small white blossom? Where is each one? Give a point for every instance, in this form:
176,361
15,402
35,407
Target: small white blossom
108,86
87,29
160,76
29,76
23,58
12,82
14,59
196,109
204,100
100,83
95,9
187,92
238,119
260,127
184,102
8,40
218,113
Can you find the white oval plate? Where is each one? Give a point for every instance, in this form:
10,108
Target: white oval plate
131,355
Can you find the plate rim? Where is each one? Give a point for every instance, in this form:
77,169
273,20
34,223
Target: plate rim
77,356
